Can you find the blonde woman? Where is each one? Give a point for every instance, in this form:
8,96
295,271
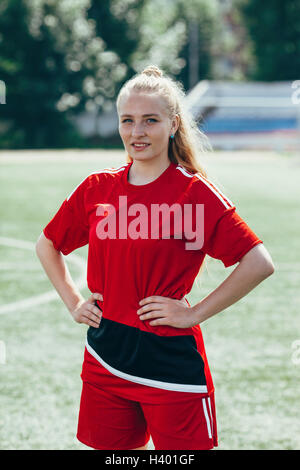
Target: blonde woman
149,225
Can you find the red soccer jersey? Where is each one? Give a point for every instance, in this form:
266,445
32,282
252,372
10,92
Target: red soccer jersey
133,255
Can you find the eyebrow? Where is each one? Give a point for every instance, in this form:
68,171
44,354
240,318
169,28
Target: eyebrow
144,115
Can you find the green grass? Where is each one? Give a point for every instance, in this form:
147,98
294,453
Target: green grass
249,345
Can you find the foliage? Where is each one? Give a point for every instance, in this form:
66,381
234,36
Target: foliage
166,37
59,58
274,27
117,24
52,63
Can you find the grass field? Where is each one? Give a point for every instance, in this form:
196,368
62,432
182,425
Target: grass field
249,345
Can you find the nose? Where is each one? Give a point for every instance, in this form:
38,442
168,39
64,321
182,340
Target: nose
138,129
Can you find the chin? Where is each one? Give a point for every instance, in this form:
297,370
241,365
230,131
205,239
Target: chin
140,158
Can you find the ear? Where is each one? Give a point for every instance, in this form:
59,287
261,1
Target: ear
175,123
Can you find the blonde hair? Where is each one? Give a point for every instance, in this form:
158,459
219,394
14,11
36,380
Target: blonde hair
188,142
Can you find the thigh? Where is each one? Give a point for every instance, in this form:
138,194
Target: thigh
110,422
187,425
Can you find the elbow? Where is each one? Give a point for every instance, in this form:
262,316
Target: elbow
265,266
268,269
260,262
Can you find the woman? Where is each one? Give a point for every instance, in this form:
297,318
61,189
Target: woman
149,225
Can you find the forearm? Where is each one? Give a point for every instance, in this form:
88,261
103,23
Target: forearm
250,272
58,273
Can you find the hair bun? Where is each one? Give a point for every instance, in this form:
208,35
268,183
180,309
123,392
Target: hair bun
153,70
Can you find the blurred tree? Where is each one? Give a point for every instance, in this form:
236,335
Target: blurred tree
177,36
52,64
117,24
274,27
162,37
231,52
200,19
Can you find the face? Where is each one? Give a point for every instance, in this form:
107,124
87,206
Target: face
145,126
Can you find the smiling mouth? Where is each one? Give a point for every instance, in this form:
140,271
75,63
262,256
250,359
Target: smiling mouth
140,146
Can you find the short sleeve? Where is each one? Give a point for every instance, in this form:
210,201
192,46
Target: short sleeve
68,229
231,239
227,237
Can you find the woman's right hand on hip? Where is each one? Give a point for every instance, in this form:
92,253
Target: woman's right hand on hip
87,312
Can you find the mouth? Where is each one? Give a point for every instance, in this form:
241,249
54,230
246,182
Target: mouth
140,146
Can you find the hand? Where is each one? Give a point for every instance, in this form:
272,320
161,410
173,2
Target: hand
166,311
87,312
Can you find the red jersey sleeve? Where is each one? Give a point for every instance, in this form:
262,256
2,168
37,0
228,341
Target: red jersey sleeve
68,229
227,237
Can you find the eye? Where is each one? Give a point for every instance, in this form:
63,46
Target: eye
149,119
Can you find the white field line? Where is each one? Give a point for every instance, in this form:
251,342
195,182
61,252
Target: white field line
45,296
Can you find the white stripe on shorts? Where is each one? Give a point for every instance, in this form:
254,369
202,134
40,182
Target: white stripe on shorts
210,414
207,418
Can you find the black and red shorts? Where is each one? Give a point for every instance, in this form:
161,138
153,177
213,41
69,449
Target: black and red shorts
117,414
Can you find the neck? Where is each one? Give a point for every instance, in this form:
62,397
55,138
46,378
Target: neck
145,171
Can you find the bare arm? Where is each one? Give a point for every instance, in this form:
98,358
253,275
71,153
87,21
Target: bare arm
59,275
252,269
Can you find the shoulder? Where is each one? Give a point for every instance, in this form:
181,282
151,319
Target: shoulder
203,189
98,177
108,173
